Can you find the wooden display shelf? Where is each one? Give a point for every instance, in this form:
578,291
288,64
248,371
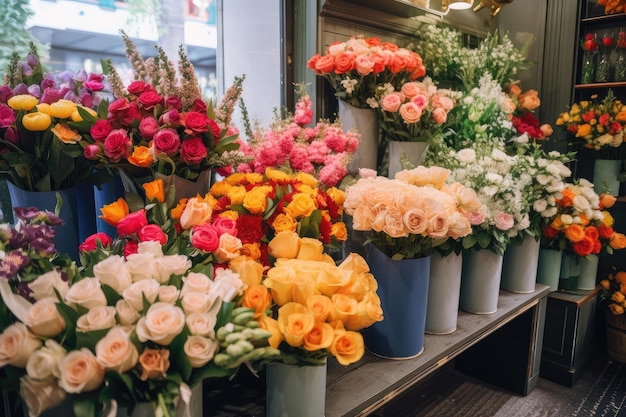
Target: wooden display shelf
614,84
365,386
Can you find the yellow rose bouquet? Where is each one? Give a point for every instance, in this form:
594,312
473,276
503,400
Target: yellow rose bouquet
313,307
41,147
409,216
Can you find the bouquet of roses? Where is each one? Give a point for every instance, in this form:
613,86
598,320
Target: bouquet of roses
524,120
597,125
407,217
415,112
323,150
313,307
159,124
145,318
580,223
355,67
41,147
614,292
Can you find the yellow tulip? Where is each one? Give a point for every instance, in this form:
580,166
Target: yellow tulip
22,102
36,122
62,109
76,117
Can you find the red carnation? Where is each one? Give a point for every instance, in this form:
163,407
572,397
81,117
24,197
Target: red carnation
249,228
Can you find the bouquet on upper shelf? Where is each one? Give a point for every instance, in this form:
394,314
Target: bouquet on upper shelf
41,147
409,216
313,307
613,289
612,6
355,67
415,111
580,223
323,150
598,125
144,318
159,123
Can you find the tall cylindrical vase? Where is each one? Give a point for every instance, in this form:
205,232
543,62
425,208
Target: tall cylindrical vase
413,152
480,281
549,267
588,272
67,236
519,266
365,122
570,270
403,293
605,173
444,287
293,390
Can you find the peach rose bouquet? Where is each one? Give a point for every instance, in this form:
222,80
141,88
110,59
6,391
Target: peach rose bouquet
414,111
613,289
145,317
409,216
355,67
313,307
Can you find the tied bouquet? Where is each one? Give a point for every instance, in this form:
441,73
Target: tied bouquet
413,113
41,146
160,125
129,328
323,150
597,125
355,67
409,216
313,307
581,224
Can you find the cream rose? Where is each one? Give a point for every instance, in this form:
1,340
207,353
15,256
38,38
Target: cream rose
195,282
126,314
201,324
115,351
166,266
112,272
43,364
45,285
86,293
80,372
141,266
168,294
228,248
40,396
227,284
154,363
16,345
197,211
196,302
134,294
200,350
150,247
98,318
161,324
43,318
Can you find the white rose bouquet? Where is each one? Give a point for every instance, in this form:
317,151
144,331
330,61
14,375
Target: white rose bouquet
127,328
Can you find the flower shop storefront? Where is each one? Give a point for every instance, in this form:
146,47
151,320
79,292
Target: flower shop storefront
335,264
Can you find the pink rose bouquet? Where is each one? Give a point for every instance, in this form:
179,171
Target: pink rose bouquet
142,320
160,124
355,67
409,216
415,111
323,150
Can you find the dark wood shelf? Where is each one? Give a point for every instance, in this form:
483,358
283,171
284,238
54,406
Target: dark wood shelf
614,84
363,387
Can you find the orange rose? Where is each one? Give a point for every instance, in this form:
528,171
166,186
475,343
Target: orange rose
114,212
253,250
320,306
567,199
607,200
321,336
255,201
284,222
271,325
65,133
155,190
141,157
301,205
257,297
154,363
280,281
310,249
340,231
178,210
348,346
344,307
575,233
368,312
616,309
618,241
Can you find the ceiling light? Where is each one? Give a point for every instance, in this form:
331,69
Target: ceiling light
456,4
493,5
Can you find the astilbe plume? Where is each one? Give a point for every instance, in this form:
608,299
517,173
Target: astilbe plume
135,58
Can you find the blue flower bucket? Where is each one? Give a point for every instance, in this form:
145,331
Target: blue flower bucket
403,292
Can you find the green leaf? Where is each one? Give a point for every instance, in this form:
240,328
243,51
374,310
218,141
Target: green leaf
209,371
484,239
89,339
70,317
86,404
111,295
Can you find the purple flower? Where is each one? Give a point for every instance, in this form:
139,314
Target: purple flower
86,100
34,90
52,95
12,263
27,71
5,93
21,88
43,246
65,76
32,60
26,213
81,75
10,135
48,82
